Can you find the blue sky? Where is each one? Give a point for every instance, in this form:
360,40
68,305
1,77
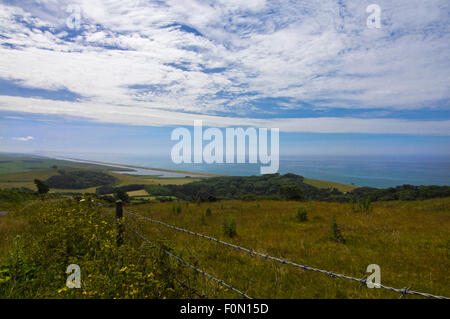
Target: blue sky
123,74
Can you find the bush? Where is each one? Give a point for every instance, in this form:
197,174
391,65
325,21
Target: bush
41,186
336,232
208,212
362,205
229,226
80,179
122,195
178,209
302,214
291,192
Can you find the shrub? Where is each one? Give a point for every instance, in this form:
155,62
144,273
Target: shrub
41,186
122,195
291,192
302,214
361,205
178,209
336,232
80,179
229,226
208,212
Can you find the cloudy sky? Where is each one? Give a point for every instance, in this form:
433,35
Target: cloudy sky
94,76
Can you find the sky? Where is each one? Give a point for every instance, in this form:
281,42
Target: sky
91,76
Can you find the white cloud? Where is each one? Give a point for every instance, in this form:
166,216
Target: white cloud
153,117
23,139
312,52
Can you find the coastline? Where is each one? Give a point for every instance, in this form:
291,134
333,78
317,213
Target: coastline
192,174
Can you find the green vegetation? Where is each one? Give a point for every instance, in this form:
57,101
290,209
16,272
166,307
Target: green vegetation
49,237
291,192
41,186
80,179
121,195
229,226
336,232
408,239
302,214
43,234
14,163
288,187
401,229
361,205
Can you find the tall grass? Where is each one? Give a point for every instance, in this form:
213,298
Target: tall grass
408,240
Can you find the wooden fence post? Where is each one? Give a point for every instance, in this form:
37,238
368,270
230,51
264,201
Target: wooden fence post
119,215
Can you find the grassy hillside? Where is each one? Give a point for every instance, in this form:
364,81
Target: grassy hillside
408,240
39,240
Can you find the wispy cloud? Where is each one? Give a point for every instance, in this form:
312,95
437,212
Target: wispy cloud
155,63
23,139
106,113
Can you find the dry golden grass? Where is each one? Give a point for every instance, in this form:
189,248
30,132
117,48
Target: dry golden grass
326,184
141,192
410,241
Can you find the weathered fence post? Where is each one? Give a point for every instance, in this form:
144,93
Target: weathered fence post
119,215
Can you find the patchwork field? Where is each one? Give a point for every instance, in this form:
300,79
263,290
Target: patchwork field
26,179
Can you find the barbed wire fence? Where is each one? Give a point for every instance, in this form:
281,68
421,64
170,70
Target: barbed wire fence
179,259
363,281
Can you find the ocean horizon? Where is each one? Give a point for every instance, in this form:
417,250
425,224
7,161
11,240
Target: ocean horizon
359,170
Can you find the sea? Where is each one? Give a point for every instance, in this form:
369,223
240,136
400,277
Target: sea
372,171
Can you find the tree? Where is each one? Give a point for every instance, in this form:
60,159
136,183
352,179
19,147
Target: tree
41,186
291,192
122,195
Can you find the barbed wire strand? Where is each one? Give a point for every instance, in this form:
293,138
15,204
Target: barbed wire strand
192,290
221,282
363,281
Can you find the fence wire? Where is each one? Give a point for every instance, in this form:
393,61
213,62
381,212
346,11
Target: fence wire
403,291
179,259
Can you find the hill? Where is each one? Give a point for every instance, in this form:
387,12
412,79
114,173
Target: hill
41,236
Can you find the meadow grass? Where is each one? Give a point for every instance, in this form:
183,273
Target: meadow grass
410,241
41,239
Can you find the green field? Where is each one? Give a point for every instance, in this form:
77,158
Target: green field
408,240
21,172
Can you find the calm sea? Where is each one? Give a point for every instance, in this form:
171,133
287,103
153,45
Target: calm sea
375,171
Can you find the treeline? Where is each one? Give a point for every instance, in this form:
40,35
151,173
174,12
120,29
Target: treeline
79,179
404,192
287,187
277,187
